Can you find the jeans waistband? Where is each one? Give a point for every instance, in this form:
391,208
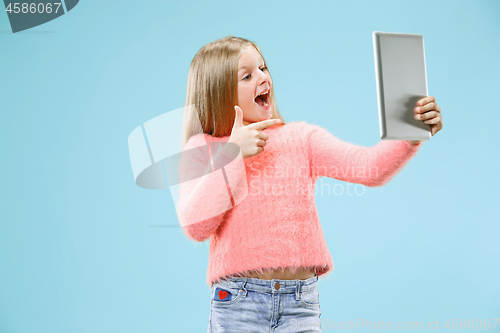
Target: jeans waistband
270,286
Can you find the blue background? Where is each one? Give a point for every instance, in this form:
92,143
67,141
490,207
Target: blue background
79,250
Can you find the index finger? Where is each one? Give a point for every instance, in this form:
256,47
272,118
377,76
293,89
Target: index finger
426,100
264,124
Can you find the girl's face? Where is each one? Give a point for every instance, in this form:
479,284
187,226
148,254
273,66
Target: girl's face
253,80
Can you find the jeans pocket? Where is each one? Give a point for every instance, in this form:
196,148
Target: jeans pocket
309,297
224,296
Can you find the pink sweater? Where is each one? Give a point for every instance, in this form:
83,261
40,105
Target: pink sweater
260,212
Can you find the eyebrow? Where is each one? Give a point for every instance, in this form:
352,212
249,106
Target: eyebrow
246,67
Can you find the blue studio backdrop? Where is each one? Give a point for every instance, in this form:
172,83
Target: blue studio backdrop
80,246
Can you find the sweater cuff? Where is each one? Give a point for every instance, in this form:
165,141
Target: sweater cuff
229,158
225,155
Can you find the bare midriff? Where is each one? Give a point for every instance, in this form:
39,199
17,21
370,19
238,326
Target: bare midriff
286,274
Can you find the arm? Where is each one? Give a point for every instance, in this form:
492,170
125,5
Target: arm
204,194
374,166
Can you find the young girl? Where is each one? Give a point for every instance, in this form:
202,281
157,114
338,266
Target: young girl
247,183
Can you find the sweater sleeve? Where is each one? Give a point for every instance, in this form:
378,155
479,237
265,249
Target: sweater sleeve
370,166
204,191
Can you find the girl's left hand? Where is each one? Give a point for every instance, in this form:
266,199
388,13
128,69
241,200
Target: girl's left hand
430,113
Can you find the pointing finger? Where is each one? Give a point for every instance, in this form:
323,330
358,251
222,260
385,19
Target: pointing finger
265,124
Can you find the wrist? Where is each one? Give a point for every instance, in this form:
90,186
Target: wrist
413,142
231,150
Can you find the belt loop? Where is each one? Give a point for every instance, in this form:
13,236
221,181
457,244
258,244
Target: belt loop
297,290
244,290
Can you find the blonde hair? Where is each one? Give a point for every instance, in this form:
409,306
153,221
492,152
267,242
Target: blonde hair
212,89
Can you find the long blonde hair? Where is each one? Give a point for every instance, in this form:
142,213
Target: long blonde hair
212,89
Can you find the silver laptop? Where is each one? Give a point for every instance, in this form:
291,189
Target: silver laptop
401,81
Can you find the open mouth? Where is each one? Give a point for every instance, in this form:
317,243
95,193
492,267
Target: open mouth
263,99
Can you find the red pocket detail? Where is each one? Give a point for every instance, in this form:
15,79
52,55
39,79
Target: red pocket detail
222,294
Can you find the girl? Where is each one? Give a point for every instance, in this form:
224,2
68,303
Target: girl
254,196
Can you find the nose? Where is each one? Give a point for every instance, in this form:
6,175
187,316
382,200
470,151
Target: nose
264,77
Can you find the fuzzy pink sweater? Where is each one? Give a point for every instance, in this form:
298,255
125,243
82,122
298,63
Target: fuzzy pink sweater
260,212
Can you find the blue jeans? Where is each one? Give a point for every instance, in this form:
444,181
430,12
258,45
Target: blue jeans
248,305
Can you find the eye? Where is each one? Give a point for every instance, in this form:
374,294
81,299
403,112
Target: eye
248,75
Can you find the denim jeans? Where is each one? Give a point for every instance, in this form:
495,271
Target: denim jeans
251,305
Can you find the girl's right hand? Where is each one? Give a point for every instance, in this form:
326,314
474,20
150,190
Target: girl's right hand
249,138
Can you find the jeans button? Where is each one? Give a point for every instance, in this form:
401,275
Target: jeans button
276,286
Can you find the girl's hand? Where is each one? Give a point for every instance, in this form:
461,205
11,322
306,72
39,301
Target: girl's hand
250,139
430,113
